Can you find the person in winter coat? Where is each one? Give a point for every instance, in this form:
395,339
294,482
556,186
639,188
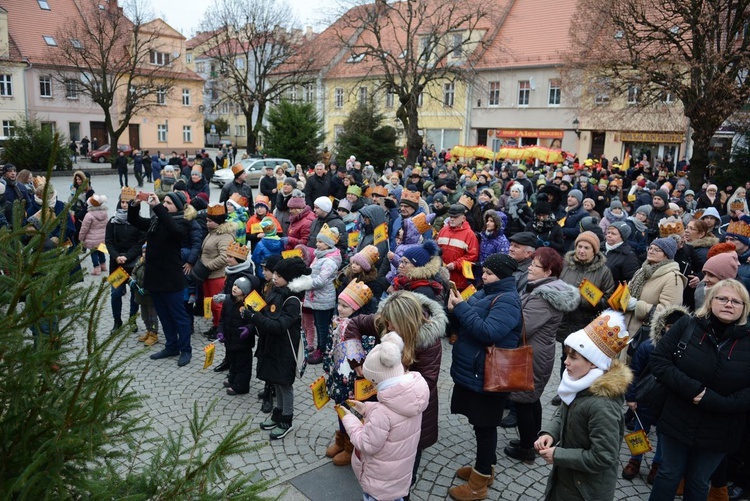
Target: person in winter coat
252,227
708,392
459,244
318,185
281,211
371,216
657,284
326,216
164,277
301,218
573,215
421,323
492,239
121,162
214,257
165,183
614,214
545,226
143,298
419,271
544,301
698,240
386,442
710,198
518,212
138,167
621,260
362,268
320,292
269,245
582,441
197,184
124,245
94,230
237,215
236,336
237,185
491,317
278,326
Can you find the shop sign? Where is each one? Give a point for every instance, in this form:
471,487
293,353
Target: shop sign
652,137
514,133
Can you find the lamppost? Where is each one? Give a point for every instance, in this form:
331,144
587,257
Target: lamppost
576,128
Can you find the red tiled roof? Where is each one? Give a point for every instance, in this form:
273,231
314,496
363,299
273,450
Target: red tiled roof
199,39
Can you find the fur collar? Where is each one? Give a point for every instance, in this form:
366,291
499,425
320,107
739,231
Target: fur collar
707,241
225,228
599,261
434,329
561,296
427,271
658,321
614,382
190,212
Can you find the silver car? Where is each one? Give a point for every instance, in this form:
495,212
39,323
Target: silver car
255,168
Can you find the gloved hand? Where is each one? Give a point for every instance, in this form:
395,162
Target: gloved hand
244,332
219,298
631,303
220,336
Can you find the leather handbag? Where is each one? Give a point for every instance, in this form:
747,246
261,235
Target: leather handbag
200,273
507,370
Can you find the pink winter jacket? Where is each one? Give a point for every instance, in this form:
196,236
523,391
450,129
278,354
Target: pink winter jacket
94,227
386,444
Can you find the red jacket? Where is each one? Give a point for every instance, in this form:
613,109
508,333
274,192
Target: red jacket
299,228
458,245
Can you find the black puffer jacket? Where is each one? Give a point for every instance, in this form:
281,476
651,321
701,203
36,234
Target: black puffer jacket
718,421
232,325
623,263
123,239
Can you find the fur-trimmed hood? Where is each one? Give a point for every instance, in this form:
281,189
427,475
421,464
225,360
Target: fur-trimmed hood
659,320
561,296
225,228
614,382
707,241
499,226
434,328
190,213
428,271
599,261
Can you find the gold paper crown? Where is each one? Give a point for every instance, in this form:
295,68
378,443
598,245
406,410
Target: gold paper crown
371,253
368,192
357,292
237,168
380,190
238,251
127,194
466,201
420,222
606,337
739,228
216,210
411,196
737,204
236,197
698,214
671,226
326,231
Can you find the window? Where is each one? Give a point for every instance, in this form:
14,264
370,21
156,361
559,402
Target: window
75,131
554,93
48,127
667,97
602,92
49,40
494,98
161,96
76,43
188,58
449,93
71,89
6,86
309,92
363,95
186,97
338,97
187,134
458,40
43,4
239,130
524,91
239,63
9,128
337,131
390,99
633,94
159,58
161,133
200,67
45,87
293,93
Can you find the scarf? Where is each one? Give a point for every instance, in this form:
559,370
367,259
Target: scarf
612,247
540,226
320,254
50,201
120,217
643,275
405,283
169,181
513,204
639,226
612,218
569,388
231,270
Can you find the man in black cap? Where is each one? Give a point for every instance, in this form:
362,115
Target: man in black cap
522,246
338,190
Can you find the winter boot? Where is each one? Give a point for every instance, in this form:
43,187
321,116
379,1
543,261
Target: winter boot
652,473
272,421
152,339
631,469
145,336
337,445
718,494
267,401
473,490
465,472
316,357
223,366
522,454
283,427
344,458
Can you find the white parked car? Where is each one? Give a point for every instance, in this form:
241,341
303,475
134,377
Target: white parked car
255,168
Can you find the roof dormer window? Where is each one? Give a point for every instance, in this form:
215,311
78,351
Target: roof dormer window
43,4
49,40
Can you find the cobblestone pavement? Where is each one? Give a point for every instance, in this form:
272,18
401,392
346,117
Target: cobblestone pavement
171,392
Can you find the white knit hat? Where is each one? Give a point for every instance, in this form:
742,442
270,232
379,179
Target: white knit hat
324,204
602,339
384,361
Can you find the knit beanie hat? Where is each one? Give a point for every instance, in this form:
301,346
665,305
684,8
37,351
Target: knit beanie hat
291,268
384,360
324,204
502,265
366,258
724,266
623,228
268,226
439,197
721,248
601,340
291,182
328,235
420,255
663,195
297,201
271,261
667,245
96,200
577,194
590,238
517,187
644,209
178,199
244,285
615,204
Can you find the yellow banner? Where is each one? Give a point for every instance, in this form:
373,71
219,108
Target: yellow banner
380,234
102,248
255,301
638,442
590,292
118,277
353,239
292,253
467,271
207,307
209,350
468,292
364,389
319,392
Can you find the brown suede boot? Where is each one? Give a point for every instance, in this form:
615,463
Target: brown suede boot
337,446
474,490
718,494
144,336
152,339
465,472
344,458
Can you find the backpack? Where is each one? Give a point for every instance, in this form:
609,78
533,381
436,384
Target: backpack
300,350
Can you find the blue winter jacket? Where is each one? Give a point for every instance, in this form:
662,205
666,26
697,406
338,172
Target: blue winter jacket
483,324
264,248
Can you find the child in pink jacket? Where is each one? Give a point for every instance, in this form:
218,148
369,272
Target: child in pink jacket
93,231
386,444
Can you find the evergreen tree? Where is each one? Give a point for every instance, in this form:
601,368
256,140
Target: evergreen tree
31,147
70,425
364,136
295,131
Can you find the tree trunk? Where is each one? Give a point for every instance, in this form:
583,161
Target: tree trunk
409,117
699,157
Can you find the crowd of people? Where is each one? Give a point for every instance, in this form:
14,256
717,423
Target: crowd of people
370,271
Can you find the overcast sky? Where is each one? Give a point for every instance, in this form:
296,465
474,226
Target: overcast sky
185,15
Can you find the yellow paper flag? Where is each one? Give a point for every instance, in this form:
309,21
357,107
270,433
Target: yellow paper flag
209,350
256,228
420,222
292,253
638,442
561,222
467,271
468,292
614,299
625,298
364,389
353,240
319,392
118,277
254,301
207,307
380,234
590,292
341,412
102,248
